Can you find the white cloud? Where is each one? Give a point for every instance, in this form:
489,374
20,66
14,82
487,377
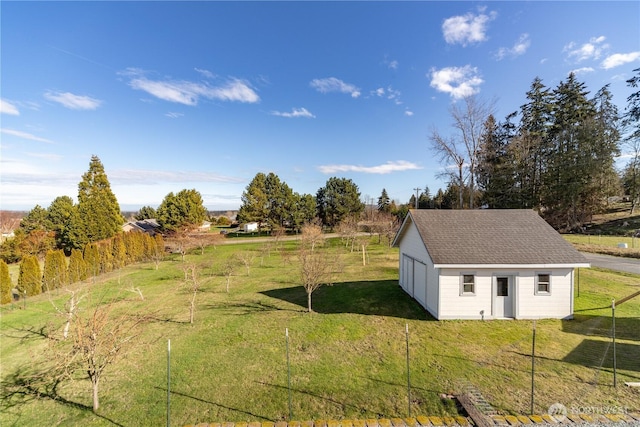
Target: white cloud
408,113
189,93
467,28
24,135
205,73
72,101
519,48
8,108
583,70
591,50
389,93
388,167
296,112
332,84
173,115
618,59
459,82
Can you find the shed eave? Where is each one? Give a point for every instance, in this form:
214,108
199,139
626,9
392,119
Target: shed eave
511,266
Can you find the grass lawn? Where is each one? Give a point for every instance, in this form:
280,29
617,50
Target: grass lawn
347,359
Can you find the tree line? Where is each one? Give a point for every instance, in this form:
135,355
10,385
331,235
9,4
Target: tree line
556,154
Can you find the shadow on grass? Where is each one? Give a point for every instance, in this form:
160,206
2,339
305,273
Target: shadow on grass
343,406
246,307
27,333
599,354
627,328
251,414
374,297
25,385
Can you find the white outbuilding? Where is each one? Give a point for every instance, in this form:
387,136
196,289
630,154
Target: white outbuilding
487,264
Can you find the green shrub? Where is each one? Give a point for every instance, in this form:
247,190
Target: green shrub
5,283
30,277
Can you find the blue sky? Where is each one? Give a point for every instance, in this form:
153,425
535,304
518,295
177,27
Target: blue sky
204,95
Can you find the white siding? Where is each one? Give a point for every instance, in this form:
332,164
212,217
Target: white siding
456,306
417,276
558,304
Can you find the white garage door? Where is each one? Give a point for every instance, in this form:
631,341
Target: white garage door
420,282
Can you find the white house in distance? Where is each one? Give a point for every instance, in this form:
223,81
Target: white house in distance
487,264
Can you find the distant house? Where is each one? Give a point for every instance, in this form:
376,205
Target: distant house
487,264
206,226
149,226
250,227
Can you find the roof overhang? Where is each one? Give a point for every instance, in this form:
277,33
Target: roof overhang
512,266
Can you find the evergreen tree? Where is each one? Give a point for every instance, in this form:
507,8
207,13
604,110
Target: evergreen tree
77,269
5,283
62,216
36,219
338,200
30,277
531,148
146,212
55,270
384,201
99,214
303,211
91,258
255,201
119,251
496,171
566,178
280,201
631,125
183,210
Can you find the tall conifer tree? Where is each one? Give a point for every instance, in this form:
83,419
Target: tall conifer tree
99,214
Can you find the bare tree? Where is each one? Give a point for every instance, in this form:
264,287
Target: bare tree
100,337
348,230
246,258
193,283
317,266
464,147
312,234
228,268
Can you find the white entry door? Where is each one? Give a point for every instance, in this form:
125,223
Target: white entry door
503,297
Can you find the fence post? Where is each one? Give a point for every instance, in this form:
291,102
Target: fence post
168,383
286,333
613,328
408,371
533,365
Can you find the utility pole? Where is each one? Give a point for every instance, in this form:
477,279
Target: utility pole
417,190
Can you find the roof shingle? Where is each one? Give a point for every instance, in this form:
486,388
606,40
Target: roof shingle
492,236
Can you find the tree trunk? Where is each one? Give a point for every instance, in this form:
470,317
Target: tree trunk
94,384
309,302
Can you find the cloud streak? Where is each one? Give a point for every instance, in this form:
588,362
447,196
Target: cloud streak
8,108
24,135
519,48
333,84
73,101
295,113
189,93
386,168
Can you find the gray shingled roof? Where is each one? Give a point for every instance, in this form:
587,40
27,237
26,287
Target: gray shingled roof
492,236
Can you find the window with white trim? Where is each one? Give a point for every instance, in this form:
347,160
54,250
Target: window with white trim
543,284
468,284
